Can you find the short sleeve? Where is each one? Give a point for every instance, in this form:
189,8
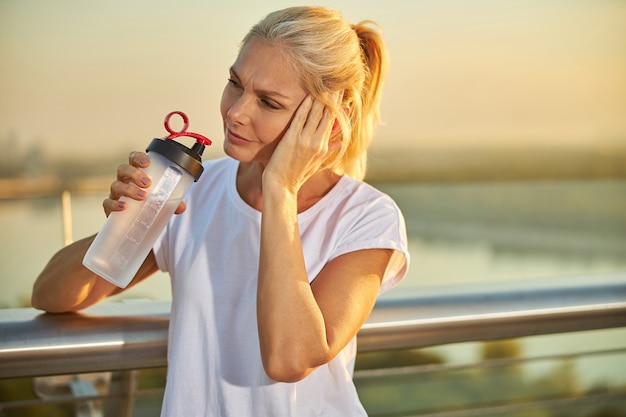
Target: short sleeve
379,224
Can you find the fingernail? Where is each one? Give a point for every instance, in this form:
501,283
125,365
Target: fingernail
145,181
121,204
143,160
141,193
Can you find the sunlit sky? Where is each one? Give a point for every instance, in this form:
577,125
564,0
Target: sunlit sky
82,76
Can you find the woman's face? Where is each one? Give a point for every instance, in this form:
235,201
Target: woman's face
259,101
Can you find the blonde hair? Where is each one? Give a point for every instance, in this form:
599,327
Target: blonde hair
331,54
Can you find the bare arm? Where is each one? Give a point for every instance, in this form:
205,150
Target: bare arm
65,284
302,326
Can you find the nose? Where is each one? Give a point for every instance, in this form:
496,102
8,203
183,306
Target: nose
239,109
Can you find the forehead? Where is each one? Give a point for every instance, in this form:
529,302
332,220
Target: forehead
267,67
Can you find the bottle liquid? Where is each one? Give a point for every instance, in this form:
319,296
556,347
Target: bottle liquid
128,235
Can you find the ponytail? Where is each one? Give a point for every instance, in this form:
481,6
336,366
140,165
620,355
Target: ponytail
376,63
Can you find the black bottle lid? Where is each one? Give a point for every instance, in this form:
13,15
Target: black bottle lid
188,159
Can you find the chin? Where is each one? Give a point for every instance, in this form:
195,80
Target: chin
238,153
230,150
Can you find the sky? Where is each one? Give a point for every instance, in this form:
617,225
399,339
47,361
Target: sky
91,77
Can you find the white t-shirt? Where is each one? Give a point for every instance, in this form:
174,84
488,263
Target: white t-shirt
212,253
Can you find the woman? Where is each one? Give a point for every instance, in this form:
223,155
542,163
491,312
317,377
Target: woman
282,249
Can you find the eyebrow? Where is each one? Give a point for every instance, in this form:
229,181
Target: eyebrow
267,93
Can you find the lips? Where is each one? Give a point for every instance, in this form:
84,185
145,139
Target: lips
233,137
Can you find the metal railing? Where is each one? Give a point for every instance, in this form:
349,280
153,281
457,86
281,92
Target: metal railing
133,335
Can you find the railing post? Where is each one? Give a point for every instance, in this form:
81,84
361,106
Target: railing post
122,391
66,210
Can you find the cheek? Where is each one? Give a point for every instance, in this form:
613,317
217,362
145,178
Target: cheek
224,104
273,131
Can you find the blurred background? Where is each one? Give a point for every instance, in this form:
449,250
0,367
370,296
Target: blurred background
504,133
504,136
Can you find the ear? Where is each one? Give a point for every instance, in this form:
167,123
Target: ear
334,145
336,128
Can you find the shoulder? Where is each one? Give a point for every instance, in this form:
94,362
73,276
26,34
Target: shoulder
355,206
354,193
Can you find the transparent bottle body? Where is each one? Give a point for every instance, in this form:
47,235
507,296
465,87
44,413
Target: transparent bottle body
127,236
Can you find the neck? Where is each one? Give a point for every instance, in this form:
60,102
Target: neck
249,186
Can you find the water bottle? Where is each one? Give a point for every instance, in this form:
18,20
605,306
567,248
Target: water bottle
128,235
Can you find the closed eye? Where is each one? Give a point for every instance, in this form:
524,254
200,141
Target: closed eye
269,104
234,83
264,97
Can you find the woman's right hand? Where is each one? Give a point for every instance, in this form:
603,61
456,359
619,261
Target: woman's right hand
131,182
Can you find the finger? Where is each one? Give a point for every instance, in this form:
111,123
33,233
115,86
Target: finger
327,122
109,205
181,208
138,159
322,129
336,97
122,189
130,174
316,116
301,115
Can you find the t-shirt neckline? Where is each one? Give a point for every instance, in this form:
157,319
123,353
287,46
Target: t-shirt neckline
242,205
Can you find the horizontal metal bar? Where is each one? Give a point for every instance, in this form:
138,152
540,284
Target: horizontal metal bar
106,337
133,335
489,311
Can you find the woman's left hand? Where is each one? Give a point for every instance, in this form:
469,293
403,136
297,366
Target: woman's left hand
305,145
